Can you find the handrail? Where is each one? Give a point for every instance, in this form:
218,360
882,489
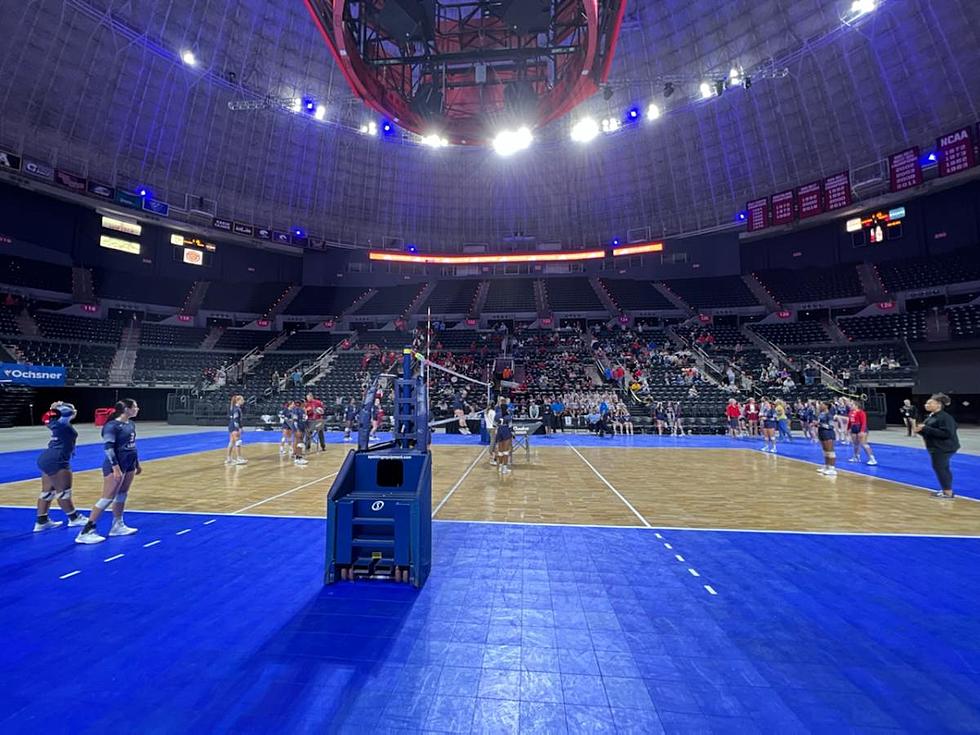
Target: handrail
908,349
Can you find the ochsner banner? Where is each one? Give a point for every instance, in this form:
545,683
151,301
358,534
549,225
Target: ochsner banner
37,375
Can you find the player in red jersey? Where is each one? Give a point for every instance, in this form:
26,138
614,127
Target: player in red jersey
857,426
733,413
314,422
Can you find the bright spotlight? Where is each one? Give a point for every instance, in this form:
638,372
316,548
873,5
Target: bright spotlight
297,105
585,130
434,140
369,128
509,142
863,7
321,112
188,57
735,77
610,125
653,112
707,90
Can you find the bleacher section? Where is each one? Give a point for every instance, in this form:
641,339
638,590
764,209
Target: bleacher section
308,340
78,328
324,300
813,284
452,297
165,335
507,295
393,300
386,340
851,357
964,322
636,295
720,292
245,298
8,319
177,367
572,294
887,327
793,333
86,362
35,274
938,270
138,288
244,339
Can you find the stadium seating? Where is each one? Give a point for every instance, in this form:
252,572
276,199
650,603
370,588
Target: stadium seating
244,339
138,288
35,274
572,294
452,297
165,335
964,322
85,362
8,319
851,357
312,341
510,295
720,292
177,367
324,300
789,286
80,328
244,298
792,333
636,295
914,273
391,301
910,326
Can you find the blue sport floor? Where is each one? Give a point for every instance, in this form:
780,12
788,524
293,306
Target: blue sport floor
222,625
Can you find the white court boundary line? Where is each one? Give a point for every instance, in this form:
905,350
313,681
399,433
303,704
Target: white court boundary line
609,485
280,495
459,482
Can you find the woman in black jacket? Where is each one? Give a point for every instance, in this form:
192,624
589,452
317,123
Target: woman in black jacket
939,433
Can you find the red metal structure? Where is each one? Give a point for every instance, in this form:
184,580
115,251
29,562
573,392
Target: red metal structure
464,69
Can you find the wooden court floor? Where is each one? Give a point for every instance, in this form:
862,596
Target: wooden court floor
662,487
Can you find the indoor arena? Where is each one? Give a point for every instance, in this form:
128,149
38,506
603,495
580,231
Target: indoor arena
490,366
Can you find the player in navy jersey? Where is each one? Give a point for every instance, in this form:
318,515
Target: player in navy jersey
286,422
841,412
298,420
55,465
350,418
767,412
826,434
120,465
235,431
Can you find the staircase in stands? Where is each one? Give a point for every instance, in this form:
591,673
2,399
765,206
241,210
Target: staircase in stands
124,361
673,298
604,296
82,286
760,292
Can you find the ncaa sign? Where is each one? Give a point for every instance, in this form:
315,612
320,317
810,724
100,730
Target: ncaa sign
36,375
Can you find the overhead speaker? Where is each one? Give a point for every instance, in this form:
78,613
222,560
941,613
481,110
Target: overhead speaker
524,16
408,20
427,102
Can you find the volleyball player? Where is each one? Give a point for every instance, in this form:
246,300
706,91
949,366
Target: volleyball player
660,416
504,447
908,415
857,424
841,412
55,465
377,417
286,422
678,419
120,465
752,417
732,413
235,431
767,412
350,418
298,415
314,418
826,435
939,433
782,421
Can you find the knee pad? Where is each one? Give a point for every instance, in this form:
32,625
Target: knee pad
47,496
831,454
238,442
65,494
103,503
121,497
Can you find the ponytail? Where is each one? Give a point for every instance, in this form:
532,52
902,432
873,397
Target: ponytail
121,407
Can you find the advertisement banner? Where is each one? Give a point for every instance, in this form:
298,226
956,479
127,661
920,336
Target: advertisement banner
36,375
9,161
103,191
133,201
69,181
38,169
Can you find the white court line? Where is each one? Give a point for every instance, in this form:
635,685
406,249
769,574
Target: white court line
609,485
459,482
658,535
113,558
678,557
694,572
711,590
181,533
280,495
70,574
668,546
152,543
208,523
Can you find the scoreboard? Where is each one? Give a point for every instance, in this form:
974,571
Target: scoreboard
192,250
876,228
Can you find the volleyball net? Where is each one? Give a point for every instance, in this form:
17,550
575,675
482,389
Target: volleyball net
440,377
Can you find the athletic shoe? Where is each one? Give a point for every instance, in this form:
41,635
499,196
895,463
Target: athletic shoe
763,449
282,451
872,461
853,459
822,470
92,537
119,528
241,460
46,526
229,461
830,473
941,495
79,521
300,461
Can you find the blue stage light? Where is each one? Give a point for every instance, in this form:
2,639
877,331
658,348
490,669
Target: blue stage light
412,249
143,191
633,113
615,242
386,127
298,232
932,158
309,104
742,216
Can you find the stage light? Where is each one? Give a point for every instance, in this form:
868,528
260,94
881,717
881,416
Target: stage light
863,7
932,158
434,140
188,57
509,142
742,216
668,89
321,112
309,105
369,128
386,127
610,125
615,242
653,112
633,113
707,91
735,77
298,232
412,249
585,130
297,105
143,191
